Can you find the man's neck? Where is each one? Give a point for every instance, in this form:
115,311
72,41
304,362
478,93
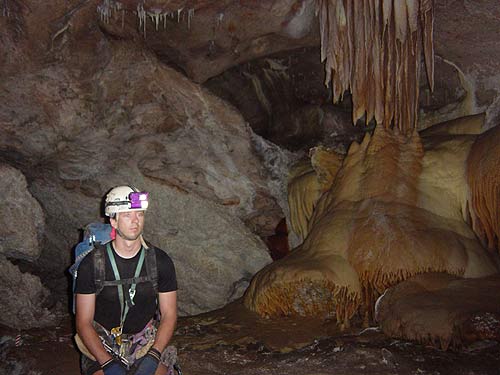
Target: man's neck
125,248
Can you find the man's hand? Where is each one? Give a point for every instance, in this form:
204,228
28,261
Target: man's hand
113,367
148,364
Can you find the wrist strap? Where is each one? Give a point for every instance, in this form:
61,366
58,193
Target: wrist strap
155,353
107,363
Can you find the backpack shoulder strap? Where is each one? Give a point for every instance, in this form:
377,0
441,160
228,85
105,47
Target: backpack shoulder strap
99,268
151,267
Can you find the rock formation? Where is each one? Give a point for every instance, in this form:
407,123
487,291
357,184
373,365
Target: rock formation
22,298
22,224
441,310
20,210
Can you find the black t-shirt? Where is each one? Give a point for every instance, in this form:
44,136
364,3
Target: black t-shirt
107,309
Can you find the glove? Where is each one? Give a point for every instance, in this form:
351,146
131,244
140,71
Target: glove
148,364
113,367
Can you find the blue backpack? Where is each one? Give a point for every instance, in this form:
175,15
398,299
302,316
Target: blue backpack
93,234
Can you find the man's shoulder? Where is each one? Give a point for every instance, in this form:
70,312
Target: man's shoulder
97,249
161,255
159,252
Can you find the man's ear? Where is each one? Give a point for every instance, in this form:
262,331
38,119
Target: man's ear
113,221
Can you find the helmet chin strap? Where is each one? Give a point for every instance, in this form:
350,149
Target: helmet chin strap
144,242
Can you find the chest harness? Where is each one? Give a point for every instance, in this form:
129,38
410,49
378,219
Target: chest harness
125,296
125,346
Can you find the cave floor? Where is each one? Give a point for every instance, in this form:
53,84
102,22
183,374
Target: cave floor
233,340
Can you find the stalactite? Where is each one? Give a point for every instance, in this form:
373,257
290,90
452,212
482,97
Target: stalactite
141,15
373,49
107,8
5,9
190,17
155,15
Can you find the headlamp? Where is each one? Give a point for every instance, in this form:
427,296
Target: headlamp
138,200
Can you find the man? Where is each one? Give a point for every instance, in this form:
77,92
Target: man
116,319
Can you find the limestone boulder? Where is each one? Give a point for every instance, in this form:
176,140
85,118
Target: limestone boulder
22,298
215,254
22,221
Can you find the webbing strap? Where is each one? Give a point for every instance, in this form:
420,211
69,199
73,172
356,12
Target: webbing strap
128,301
99,269
132,280
152,268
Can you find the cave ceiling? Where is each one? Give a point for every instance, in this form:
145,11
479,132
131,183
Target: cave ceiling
205,38
227,44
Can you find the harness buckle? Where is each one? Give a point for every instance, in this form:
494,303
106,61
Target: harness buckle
116,333
131,293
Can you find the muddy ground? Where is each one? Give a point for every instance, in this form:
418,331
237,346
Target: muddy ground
235,341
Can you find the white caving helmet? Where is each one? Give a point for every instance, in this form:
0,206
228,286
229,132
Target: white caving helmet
125,198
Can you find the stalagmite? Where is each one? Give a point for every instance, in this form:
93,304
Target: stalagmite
307,182
381,40
303,193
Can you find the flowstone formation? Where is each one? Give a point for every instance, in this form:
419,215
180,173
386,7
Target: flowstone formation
483,176
397,207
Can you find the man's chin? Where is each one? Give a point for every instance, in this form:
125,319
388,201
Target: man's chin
129,237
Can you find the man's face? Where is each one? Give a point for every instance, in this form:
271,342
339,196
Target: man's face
129,225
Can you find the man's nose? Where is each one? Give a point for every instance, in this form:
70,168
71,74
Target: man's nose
135,217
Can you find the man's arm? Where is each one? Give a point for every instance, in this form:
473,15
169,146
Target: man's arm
85,308
168,309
